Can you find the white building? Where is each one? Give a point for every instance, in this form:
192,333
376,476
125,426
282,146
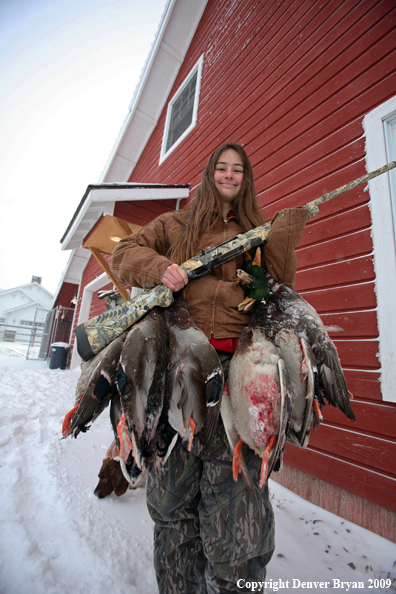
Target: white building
18,309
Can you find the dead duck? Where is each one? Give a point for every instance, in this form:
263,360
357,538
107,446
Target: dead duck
273,392
256,408
94,389
195,377
140,380
310,355
332,385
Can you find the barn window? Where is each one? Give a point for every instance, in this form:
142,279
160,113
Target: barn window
390,141
379,126
182,112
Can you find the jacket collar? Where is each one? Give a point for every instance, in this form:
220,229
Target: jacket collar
232,215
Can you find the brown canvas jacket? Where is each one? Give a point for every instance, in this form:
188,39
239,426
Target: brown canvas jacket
140,260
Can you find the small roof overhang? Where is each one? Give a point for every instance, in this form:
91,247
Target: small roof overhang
100,199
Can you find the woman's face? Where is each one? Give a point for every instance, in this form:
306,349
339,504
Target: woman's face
228,176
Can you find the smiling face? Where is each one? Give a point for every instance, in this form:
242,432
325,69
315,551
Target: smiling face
228,177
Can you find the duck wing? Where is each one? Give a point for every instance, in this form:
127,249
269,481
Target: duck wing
331,375
194,377
309,326
94,388
140,381
276,455
227,415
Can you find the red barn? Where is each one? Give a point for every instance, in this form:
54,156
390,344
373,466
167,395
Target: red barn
309,89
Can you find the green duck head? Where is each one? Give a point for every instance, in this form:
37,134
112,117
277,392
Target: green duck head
254,282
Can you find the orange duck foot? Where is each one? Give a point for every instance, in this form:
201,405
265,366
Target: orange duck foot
317,411
264,465
236,460
113,450
67,421
126,444
192,432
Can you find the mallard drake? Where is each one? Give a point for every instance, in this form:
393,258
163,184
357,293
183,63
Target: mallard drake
253,279
194,377
94,389
140,380
256,407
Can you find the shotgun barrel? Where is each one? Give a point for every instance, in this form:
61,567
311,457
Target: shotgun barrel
92,336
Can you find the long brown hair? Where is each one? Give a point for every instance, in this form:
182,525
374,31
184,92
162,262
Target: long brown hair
206,208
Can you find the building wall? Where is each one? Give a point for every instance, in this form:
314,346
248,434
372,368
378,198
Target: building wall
292,82
143,211
12,301
66,294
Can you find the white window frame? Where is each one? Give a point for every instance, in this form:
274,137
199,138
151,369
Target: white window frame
376,127
197,69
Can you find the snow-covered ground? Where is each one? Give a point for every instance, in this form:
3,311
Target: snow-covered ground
57,537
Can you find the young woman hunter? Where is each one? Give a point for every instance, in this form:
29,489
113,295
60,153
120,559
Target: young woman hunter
210,531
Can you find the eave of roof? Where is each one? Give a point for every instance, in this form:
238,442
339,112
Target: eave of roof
100,199
175,32
22,287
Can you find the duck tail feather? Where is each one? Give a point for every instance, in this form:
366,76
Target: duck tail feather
275,460
170,448
335,387
214,388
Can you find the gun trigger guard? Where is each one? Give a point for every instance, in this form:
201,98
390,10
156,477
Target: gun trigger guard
201,271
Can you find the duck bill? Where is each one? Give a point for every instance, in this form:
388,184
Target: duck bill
244,277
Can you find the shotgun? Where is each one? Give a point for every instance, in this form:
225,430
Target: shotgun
92,336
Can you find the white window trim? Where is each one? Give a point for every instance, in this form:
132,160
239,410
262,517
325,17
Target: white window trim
383,237
196,69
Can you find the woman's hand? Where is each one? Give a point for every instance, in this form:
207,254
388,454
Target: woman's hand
174,277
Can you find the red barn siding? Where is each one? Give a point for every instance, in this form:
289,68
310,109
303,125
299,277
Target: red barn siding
143,211
292,81
92,270
98,305
67,292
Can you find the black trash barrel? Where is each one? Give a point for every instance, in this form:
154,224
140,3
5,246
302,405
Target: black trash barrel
58,358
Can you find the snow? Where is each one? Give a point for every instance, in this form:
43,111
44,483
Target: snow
57,537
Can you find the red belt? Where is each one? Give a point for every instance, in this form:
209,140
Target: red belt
224,344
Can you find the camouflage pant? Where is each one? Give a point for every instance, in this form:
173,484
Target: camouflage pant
210,531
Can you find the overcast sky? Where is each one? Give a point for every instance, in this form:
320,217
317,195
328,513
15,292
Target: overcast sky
68,70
